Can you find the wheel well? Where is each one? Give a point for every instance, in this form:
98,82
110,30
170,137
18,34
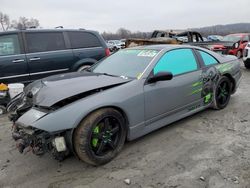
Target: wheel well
114,107
232,81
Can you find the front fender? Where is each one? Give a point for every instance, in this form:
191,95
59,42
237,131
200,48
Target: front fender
69,117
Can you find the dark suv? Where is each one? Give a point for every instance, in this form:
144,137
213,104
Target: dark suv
29,55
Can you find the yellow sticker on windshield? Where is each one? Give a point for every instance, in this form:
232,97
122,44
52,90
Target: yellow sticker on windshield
139,76
147,53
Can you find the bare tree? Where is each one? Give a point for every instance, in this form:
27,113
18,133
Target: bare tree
4,21
123,33
25,23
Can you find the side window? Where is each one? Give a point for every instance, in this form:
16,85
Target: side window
9,45
83,40
42,42
177,62
207,58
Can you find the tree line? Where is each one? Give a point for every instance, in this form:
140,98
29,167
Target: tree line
123,33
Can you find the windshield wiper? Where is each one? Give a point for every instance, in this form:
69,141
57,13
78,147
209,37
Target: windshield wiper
106,74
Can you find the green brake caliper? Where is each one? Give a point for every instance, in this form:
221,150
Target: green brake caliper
95,140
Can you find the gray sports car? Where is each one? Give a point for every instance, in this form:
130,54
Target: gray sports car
127,95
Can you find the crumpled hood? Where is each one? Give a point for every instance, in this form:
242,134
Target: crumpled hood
56,88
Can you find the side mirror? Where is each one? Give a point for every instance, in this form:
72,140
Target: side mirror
160,76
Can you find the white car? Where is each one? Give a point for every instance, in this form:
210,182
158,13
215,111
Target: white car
246,56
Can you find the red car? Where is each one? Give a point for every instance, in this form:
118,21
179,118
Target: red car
232,44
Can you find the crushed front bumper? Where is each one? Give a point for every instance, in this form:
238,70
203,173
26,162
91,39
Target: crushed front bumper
39,142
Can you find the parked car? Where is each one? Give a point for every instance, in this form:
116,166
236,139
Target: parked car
127,95
28,55
246,56
237,42
215,38
115,45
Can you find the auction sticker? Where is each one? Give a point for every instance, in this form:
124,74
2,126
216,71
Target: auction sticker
148,53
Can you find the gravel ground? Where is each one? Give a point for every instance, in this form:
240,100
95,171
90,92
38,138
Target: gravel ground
209,149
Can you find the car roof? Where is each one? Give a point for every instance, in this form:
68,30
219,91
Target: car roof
43,30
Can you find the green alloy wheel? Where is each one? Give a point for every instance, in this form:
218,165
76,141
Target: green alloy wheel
100,136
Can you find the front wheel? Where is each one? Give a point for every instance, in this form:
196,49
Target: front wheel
222,93
100,136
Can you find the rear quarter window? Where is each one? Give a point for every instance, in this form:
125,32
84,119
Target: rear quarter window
83,40
207,58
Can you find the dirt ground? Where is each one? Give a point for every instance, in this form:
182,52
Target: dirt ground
209,149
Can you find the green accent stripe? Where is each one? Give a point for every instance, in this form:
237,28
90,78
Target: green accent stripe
197,84
196,91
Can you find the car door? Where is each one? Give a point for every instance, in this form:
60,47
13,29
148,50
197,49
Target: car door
47,54
183,92
13,64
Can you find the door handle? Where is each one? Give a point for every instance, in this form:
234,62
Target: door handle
35,58
18,60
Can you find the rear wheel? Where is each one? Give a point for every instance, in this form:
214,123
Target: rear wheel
100,136
83,67
222,93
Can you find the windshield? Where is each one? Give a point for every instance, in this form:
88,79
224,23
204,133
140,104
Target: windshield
128,63
232,38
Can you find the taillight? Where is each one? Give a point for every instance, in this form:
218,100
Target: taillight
107,52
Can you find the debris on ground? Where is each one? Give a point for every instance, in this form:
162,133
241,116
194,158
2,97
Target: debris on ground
127,181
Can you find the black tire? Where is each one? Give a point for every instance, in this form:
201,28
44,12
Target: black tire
247,65
83,67
115,49
222,93
100,147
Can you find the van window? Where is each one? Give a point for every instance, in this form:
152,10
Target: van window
83,40
178,61
45,41
9,45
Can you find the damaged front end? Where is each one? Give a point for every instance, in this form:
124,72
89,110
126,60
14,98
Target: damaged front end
31,139
39,114
39,142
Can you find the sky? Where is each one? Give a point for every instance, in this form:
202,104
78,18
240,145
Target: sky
135,15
